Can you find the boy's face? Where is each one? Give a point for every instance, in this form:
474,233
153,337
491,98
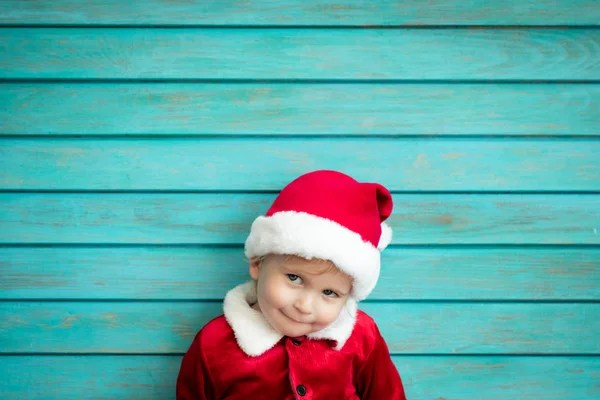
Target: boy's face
298,296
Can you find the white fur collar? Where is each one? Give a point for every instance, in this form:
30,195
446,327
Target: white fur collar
255,335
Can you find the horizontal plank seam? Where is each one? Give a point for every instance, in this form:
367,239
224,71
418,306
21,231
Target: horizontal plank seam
257,192
293,81
295,136
368,301
430,246
178,354
216,245
220,81
572,26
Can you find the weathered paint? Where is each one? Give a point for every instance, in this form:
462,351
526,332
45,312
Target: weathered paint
118,241
250,164
429,377
403,54
409,327
225,218
302,12
206,272
199,108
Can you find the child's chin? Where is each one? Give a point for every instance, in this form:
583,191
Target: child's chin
294,332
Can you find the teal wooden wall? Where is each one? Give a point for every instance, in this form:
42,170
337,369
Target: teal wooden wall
138,140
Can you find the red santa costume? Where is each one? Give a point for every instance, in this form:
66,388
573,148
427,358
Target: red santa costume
239,355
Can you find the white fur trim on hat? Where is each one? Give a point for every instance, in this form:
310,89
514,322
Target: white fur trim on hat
309,236
386,236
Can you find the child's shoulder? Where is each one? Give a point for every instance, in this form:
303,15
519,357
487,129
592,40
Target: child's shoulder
366,331
216,326
364,321
217,333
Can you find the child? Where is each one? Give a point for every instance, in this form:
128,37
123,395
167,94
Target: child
293,331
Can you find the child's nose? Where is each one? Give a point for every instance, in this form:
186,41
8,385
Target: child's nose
304,304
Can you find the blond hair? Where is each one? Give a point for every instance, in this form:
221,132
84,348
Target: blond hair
323,265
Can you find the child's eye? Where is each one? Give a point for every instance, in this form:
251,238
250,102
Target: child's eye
329,293
294,278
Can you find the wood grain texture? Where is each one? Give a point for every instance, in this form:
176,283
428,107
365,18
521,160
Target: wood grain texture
429,377
302,12
135,249
402,164
310,109
403,54
226,218
409,328
481,273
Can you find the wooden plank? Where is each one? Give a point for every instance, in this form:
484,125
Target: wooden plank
402,164
227,217
308,109
405,54
302,12
430,377
409,328
207,273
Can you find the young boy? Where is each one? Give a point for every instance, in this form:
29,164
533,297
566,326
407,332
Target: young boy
293,331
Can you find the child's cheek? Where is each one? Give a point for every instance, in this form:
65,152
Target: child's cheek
329,313
276,294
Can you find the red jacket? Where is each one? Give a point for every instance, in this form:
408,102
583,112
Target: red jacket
218,365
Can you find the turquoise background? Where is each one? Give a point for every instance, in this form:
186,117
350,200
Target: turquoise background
139,139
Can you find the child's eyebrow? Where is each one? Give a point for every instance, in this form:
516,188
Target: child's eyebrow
297,270
288,268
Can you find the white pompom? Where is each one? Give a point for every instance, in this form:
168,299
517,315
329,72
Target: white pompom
386,236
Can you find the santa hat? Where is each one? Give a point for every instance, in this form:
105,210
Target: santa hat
328,215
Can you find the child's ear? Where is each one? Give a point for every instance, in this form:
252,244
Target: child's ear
254,268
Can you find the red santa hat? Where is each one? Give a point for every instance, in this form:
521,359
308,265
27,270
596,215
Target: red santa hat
328,215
